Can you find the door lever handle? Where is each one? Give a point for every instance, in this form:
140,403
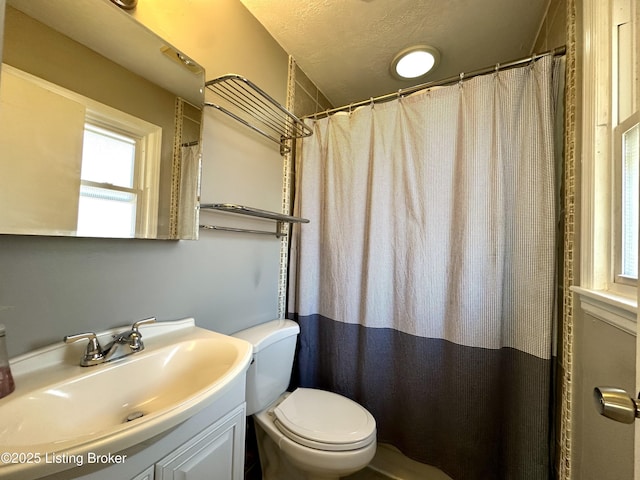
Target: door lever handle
616,404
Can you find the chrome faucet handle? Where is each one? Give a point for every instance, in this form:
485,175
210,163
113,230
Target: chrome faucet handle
135,337
139,323
93,354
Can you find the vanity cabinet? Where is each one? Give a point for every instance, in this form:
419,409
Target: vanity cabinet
216,453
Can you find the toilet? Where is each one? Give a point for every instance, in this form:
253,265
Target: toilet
307,434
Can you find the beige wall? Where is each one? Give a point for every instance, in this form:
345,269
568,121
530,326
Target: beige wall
308,98
222,36
41,138
238,165
2,8
41,51
553,29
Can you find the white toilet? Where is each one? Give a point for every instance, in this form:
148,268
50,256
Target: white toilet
307,434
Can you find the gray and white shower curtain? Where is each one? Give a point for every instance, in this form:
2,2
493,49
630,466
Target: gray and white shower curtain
424,284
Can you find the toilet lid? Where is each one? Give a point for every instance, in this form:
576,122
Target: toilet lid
325,420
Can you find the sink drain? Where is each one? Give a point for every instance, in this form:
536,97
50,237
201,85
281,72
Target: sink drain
133,416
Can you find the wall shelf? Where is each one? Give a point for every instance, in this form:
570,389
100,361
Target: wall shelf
248,104
280,218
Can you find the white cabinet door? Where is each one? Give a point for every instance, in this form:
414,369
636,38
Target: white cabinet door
216,453
146,475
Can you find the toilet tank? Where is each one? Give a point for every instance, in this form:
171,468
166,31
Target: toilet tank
274,345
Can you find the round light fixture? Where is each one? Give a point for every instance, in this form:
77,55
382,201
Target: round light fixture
414,62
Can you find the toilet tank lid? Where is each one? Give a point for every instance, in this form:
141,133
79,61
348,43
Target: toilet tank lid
265,334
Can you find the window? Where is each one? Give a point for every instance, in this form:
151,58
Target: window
627,155
625,148
108,194
609,148
119,175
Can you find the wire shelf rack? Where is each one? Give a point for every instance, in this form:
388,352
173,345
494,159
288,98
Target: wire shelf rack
247,103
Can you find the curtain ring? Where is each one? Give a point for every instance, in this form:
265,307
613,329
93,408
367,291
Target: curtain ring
461,79
372,103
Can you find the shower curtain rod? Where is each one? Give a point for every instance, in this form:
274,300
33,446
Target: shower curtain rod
416,88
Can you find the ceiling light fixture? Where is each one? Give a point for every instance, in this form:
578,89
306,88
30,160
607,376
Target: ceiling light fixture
414,62
126,4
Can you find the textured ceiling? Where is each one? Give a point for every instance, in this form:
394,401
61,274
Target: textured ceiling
345,46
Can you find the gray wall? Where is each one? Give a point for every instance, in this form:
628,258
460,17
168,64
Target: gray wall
50,287
603,356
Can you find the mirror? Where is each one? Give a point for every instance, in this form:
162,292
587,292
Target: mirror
100,125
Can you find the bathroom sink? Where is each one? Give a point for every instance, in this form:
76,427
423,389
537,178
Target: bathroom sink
60,408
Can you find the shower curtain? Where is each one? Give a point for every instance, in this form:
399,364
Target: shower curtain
424,284
189,191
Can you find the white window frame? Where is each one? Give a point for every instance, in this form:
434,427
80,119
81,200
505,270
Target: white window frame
137,187
606,297
147,163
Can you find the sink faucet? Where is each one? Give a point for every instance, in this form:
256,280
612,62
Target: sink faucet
95,354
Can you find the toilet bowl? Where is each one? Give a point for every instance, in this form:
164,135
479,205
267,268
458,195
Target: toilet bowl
320,432
306,434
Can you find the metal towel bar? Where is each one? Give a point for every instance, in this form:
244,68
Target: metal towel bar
280,218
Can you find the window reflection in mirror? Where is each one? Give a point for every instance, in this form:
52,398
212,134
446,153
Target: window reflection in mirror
93,100
108,194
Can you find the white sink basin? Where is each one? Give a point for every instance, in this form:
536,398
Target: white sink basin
60,408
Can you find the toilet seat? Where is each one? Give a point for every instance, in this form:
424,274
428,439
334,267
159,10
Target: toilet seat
324,420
